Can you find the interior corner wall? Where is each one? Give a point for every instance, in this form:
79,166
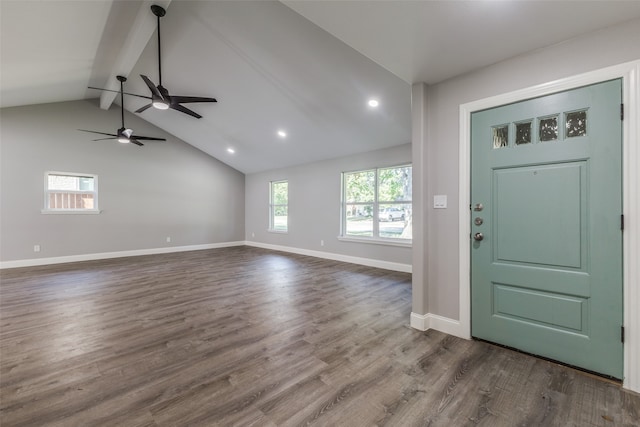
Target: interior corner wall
582,54
420,260
146,194
314,207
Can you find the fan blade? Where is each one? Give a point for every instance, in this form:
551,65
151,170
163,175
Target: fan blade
103,139
117,91
187,99
147,138
185,110
135,141
143,108
99,133
152,87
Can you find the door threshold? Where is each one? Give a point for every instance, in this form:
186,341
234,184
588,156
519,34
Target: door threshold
586,372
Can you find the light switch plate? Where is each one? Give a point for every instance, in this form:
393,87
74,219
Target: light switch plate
440,201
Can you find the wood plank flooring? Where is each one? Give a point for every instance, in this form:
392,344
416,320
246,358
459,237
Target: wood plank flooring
249,337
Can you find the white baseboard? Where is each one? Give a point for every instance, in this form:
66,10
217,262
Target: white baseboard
387,265
424,322
405,268
419,321
107,255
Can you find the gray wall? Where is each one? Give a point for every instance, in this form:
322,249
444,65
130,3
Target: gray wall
145,193
314,205
438,146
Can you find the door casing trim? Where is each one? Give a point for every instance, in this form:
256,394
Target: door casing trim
629,72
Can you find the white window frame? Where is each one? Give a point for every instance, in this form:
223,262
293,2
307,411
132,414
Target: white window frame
376,238
48,210
273,206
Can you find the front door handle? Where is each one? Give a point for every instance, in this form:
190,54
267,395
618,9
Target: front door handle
478,236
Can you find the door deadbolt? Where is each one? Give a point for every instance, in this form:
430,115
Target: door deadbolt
478,207
478,221
478,236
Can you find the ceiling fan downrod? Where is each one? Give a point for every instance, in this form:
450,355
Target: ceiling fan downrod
121,79
159,11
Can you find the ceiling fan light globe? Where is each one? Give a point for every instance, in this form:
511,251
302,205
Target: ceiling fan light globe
123,140
160,105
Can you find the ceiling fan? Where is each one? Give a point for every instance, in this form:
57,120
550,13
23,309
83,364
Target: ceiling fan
160,97
124,135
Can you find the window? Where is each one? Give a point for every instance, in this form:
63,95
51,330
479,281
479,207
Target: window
377,204
279,206
70,193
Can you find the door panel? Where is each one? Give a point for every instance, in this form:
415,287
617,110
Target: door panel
544,308
552,201
547,274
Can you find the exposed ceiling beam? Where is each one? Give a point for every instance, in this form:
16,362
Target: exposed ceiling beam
141,31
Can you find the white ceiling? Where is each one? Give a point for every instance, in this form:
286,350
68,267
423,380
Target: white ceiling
431,41
271,68
47,49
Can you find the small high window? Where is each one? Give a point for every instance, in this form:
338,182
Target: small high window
66,192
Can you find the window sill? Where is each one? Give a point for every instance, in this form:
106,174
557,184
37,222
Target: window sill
377,241
278,231
70,211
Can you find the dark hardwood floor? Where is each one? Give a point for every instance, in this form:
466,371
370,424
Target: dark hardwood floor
249,337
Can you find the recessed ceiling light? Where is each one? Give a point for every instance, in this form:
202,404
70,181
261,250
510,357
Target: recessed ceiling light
282,134
231,150
373,103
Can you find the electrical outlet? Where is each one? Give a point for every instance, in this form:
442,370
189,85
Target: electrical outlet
168,239
321,242
36,248
253,234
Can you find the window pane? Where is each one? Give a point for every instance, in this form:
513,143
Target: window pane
360,186
86,183
280,193
280,218
87,201
394,220
62,200
70,183
394,184
500,136
576,124
359,220
523,133
548,129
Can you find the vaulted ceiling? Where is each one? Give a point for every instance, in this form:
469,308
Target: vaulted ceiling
305,67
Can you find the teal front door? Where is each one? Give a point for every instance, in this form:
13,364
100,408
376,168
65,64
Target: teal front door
546,239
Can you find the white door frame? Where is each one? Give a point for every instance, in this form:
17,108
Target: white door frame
630,74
